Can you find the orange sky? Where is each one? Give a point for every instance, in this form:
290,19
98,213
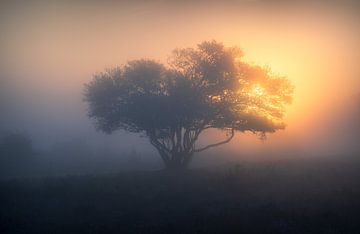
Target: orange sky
52,49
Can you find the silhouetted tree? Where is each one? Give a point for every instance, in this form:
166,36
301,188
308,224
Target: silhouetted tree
209,87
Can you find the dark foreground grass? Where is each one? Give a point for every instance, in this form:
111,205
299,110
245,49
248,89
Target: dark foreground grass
278,197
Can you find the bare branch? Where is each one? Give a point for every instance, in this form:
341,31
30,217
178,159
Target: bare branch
217,144
162,153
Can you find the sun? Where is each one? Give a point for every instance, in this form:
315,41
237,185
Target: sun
257,91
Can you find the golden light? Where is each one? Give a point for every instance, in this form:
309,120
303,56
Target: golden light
257,91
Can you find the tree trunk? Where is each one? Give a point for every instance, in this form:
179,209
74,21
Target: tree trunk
178,146
178,161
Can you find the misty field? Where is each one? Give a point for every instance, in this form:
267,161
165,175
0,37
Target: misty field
299,196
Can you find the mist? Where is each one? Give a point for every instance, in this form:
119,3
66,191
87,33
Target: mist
50,50
92,94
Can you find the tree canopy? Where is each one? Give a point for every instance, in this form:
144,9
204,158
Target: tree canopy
200,88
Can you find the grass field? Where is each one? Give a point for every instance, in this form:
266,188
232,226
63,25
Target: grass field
268,197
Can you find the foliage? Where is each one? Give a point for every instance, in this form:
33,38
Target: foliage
209,87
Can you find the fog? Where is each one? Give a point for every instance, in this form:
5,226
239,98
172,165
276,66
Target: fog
50,49
194,157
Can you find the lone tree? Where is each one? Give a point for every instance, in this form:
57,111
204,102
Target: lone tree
209,87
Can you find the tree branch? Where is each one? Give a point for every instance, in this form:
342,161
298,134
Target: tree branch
162,153
217,144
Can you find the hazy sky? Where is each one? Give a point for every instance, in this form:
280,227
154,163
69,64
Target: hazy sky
49,49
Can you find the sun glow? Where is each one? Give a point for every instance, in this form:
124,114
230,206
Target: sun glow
257,91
